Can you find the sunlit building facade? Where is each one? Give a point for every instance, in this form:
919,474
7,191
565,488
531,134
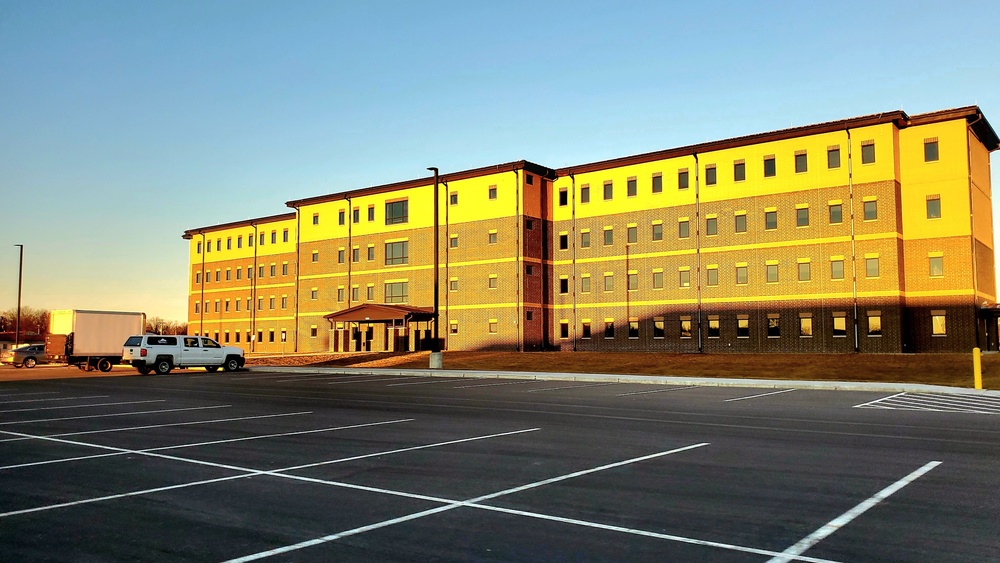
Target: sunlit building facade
869,234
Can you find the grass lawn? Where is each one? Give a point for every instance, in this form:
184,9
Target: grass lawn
938,369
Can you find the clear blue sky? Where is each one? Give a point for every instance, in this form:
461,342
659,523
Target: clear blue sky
124,123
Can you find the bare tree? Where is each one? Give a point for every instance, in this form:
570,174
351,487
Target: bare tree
33,321
158,325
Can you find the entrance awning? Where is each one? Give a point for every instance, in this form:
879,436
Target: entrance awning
378,313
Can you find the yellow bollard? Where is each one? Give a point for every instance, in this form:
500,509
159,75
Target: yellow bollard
977,368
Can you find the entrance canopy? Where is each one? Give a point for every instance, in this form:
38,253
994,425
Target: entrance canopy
378,313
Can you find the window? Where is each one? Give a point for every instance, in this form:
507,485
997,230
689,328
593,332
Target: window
563,197
633,328
371,252
741,223
871,210
936,266
833,157
260,336
633,281
284,236
218,242
631,187
313,331
930,150
658,231
805,327
563,241
742,326
938,323
370,293
609,282
769,169
494,325
874,323
397,253
609,237
836,213
355,254
396,292
274,270
609,329
340,217
397,212
270,335
933,207
229,241
199,248
739,171
263,237
340,256
685,327
772,273
229,274
683,229
260,303
453,241
250,240
684,278
528,270
801,162
284,268
682,179
340,294
710,177
773,325
585,194
315,218
658,280
284,302
712,276
270,303
492,238
714,330
585,330
585,284
609,190
805,271
837,269
802,217
492,192
770,220
564,286
453,198
839,325
239,244
371,213
492,284
197,277
529,179
867,152
314,293
657,183
274,237
563,329
355,215
585,239
453,284
197,307
871,267
711,226
260,272
741,275
659,327
239,273
632,234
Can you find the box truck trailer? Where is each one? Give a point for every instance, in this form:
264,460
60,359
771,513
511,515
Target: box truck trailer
91,339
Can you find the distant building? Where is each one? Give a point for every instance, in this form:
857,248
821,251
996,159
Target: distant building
870,234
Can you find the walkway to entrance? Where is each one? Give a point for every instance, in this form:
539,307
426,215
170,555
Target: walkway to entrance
353,329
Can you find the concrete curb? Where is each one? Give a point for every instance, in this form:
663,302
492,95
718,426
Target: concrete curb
647,379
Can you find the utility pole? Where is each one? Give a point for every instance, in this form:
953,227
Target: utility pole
20,271
435,362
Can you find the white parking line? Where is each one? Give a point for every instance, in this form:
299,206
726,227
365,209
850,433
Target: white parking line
877,400
84,406
760,395
397,378
656,391
495,384
845,518
425,382
56,399
148,426
310,378
32,393
110,415
571,387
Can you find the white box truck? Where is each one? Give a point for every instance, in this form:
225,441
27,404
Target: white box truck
91,339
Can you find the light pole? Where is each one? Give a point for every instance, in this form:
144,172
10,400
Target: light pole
435,362
20,270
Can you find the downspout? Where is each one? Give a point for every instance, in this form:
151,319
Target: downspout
298,260
572,180
518,322
447,266
972,227
697,242
854,257
201,319
349,258
253,292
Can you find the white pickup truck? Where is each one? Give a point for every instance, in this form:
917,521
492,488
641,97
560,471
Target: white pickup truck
162,353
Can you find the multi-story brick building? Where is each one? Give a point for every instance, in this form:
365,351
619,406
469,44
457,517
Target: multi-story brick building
869,234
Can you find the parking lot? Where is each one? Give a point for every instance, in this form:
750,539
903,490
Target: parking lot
342,466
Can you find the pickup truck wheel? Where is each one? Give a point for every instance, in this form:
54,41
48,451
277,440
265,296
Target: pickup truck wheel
144,370
232,364
104,364
162,367
18,365
29,362
212,368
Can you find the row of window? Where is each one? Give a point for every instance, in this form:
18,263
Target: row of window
740,171
239,241
237,273
249,335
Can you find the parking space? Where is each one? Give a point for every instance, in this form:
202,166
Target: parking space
257,465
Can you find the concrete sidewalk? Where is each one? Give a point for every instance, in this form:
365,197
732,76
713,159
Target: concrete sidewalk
648,379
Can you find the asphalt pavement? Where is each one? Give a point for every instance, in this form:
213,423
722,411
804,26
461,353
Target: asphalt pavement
321,465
